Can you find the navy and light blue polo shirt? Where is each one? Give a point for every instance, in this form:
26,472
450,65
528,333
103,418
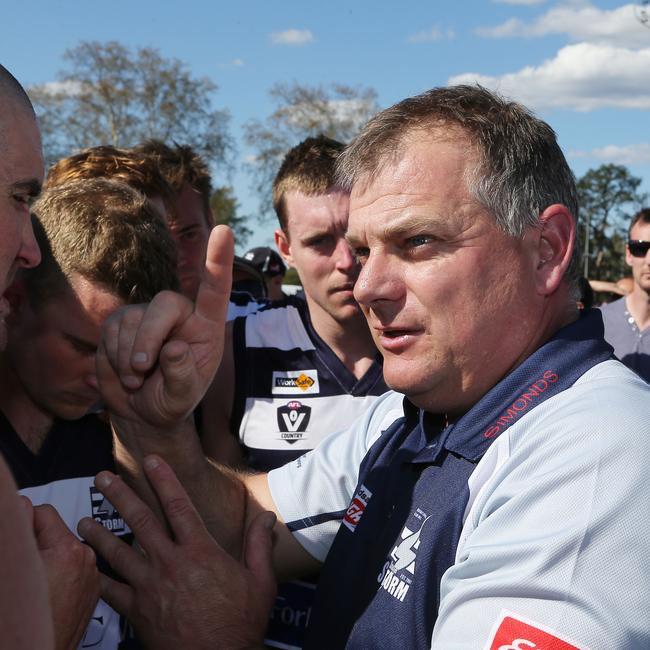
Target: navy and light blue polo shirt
430,532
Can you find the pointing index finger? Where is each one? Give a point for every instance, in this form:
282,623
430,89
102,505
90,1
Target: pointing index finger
214,290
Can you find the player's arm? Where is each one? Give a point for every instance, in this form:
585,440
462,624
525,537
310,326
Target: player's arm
227,500
218,441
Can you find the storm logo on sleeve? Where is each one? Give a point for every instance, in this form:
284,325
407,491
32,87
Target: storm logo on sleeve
397,573
104,512
293,419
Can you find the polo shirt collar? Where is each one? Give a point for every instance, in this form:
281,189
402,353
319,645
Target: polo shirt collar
552,368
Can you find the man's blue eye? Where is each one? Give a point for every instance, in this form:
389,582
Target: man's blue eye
419,240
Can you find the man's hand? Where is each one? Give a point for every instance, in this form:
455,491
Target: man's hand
72,576
156,361
185,591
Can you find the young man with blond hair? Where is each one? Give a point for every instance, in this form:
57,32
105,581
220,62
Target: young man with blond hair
138,170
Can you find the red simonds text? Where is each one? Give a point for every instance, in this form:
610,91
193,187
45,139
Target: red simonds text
521,404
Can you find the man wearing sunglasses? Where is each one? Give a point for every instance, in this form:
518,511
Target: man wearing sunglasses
627,320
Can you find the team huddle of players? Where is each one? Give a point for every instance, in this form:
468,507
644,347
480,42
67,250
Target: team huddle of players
117,226
113,228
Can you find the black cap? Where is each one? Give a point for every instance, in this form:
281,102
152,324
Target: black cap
266,260
247,278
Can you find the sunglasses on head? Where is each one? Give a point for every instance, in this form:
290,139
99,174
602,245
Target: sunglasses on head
638,247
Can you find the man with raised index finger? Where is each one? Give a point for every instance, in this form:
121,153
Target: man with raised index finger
507,503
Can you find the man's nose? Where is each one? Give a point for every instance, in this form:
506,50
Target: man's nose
378,280
29,254
344,258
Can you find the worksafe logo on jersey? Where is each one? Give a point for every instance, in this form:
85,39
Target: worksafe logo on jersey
398,572
293,419
356,508
513,632
104,512
290,382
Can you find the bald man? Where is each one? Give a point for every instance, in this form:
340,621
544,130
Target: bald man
36,549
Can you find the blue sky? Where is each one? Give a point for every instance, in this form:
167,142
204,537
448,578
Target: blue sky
583,66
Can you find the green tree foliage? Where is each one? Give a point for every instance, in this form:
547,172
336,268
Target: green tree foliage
338,111
292,277
224,209
109,94
608,198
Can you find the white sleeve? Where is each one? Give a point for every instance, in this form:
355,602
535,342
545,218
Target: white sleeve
235,310
558,539
313,492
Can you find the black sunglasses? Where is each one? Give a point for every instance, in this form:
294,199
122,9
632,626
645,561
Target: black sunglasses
638,247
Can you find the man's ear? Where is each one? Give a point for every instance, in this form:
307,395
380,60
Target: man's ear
554,247
283,246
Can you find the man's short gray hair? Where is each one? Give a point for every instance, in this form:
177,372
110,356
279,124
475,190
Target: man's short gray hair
521,169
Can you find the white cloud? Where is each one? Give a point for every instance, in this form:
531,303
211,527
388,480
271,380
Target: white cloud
580,22
235,63
349,113
582,77
292,37
519,2
512,27
433,34
632,154
65,87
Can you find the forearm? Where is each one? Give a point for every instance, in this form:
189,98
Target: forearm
217,493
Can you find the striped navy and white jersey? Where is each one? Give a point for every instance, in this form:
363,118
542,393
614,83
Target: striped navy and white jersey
242,303
526,523
291,390
62,474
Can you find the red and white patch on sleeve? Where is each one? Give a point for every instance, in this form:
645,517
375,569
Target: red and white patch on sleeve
515,634
357,508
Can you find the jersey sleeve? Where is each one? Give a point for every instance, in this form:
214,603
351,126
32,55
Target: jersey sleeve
313,492
556,547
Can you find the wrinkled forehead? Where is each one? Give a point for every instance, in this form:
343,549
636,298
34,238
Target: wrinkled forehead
436,170
388,154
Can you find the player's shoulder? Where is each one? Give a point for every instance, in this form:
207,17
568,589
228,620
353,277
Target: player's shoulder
242,303
385,411
602,415
611,391
279,324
